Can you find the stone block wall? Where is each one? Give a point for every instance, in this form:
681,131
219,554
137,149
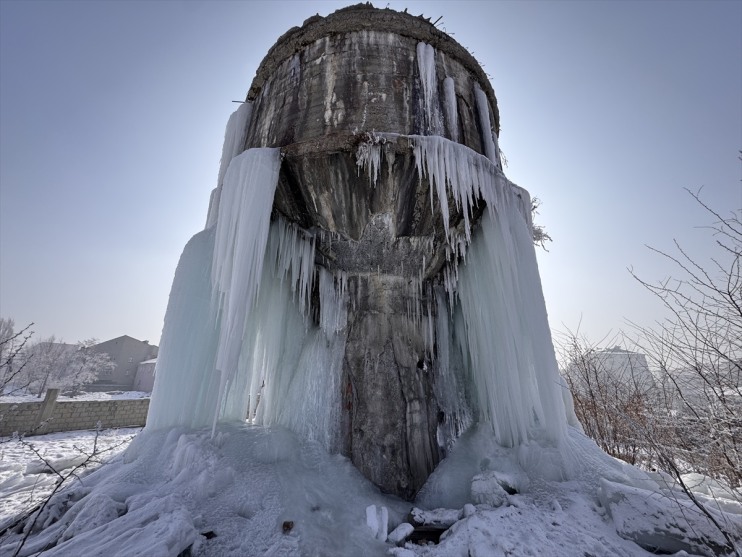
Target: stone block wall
19,417
27,417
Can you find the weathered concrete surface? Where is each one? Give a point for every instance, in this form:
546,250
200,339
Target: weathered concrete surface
321,91
336,27
362,81
393,413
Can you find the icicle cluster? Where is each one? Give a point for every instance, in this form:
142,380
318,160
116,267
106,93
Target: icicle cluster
333,311
450,389
495,313
368,157
292,254
289,370
453,167
238,338
503,330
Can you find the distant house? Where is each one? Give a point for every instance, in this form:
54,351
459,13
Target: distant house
127,353
145,377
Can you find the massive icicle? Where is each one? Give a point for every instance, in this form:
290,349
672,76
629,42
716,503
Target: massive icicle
452,114
234,143
186,388
426,68
241,237
511,356
488,136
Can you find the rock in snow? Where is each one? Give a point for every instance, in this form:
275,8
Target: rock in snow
400,534
491,488
435,518
666,522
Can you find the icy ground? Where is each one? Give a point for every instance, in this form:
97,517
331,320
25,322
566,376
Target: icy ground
113,395
260,491
26,478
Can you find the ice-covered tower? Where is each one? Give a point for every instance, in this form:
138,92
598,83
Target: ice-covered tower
367,276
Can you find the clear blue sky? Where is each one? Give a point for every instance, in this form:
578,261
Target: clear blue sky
112,117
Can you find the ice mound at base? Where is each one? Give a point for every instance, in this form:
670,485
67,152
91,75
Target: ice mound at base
253,490
169,487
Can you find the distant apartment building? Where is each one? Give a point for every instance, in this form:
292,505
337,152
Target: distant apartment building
127,353
625,366
612,366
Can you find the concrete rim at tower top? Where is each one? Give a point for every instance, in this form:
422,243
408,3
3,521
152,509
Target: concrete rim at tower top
365,17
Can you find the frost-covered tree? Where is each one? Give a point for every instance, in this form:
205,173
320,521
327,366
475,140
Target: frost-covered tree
86,365
698,351
692,420
12,355
52,364
540,235
613,393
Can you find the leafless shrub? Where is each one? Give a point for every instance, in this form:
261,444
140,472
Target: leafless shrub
690,420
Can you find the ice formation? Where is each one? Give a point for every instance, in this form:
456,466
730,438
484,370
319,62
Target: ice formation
260,290
426,67
452,115
256,328
431,312
234,139
490,138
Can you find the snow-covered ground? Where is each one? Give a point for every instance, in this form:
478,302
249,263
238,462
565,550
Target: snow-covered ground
255,491
113,395
27,466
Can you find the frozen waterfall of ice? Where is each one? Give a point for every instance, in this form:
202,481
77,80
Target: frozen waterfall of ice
186,387
239,250
241,341
504,334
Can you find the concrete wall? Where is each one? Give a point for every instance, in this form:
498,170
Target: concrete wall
24,417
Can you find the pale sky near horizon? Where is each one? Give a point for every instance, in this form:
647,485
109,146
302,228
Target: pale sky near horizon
112,118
